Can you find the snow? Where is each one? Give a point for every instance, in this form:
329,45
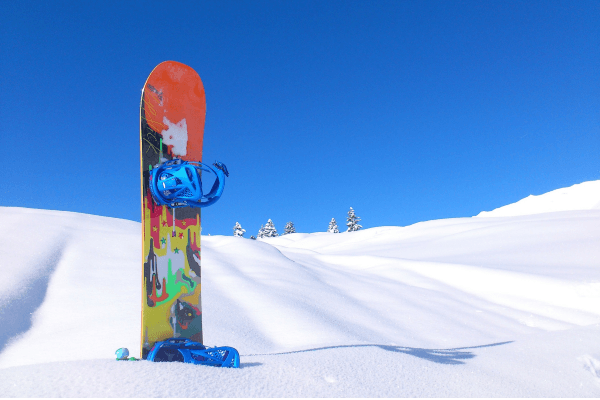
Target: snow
583,196
507,306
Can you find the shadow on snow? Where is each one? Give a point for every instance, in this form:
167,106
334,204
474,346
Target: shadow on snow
16,311
441,356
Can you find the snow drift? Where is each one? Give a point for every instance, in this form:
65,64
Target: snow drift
583,196
503,306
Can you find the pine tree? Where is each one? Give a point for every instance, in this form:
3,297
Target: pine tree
333,228
289,228
352,221
252,237
268,230
261,232
238,231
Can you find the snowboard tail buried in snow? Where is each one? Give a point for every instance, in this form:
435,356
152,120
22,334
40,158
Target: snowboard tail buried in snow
172,114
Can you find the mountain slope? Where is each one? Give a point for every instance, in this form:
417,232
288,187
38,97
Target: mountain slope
506,306
583,196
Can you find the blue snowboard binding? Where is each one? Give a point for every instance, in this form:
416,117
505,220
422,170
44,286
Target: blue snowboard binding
177,183
188,351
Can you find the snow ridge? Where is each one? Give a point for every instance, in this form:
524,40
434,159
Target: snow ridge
583,196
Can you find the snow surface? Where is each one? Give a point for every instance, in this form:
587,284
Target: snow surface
583,196
485,307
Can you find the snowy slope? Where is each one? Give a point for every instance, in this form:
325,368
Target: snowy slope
505,306
583,196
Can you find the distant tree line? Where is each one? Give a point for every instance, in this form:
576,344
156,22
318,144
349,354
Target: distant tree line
269,230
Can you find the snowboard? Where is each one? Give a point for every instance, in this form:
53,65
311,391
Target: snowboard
172,113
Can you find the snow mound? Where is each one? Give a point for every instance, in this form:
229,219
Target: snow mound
583,196
506,306
67,282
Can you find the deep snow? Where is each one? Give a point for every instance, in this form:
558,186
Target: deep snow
496,305
583,196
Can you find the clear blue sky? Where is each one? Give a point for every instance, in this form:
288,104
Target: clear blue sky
404,110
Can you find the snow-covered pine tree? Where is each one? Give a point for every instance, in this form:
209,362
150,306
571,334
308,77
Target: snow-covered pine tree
261,232
269,230
333,228
238,231
252,237
289,228
352,221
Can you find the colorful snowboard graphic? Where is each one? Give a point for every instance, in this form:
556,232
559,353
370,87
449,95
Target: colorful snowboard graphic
172,112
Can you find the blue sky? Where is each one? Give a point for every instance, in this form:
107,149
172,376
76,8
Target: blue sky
404,110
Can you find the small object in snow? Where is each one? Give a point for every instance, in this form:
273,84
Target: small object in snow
122,354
